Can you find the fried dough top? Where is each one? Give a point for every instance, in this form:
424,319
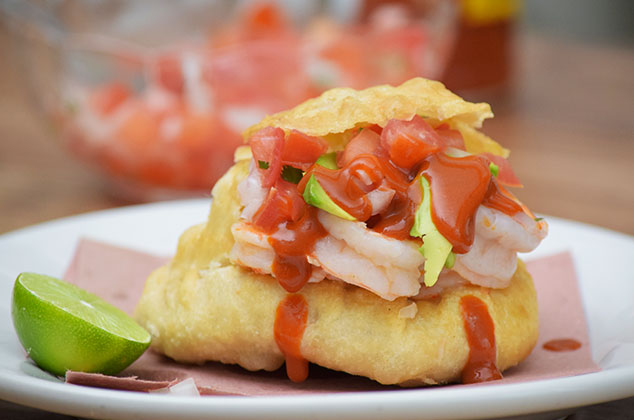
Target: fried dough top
338,113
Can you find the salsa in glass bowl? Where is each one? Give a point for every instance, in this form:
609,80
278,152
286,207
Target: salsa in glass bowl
155,95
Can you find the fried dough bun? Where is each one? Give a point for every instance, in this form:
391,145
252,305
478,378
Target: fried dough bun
202,307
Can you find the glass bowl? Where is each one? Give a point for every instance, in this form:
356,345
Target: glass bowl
155,94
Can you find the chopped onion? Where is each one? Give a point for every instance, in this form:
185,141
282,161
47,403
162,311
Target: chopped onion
456,153
186,387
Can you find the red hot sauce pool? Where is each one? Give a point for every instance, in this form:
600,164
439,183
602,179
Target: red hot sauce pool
458,185
562,344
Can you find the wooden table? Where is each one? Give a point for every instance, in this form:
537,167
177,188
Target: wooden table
568,121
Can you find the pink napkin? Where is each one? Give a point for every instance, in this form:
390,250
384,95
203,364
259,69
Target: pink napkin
118,275
561,315
115,274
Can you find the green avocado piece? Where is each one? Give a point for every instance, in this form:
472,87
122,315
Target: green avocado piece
328,160
315,195
436,248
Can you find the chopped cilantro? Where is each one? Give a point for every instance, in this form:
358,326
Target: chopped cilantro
263,164
291,174
494,169
539,219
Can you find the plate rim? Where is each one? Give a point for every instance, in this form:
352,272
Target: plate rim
559,394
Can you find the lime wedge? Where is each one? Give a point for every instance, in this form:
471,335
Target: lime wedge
63,327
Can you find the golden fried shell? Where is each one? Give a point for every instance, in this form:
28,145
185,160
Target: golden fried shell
337,111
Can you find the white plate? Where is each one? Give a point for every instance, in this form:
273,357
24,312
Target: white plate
602,258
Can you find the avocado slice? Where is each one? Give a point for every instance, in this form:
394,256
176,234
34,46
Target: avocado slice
315,195
328,160
436,248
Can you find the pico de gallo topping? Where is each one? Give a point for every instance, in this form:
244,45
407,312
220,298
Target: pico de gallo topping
379,178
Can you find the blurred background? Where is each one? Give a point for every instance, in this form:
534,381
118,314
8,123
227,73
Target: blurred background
110,103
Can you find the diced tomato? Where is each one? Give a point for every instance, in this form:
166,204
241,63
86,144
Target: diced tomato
346,51
267,145
506,176
376,128
169,73
301,150
451,138
282,204
259,20
205,149
155,172
263,19
367,141
139,132
197,129
409,142
107,98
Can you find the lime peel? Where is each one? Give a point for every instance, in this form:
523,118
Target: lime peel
63,327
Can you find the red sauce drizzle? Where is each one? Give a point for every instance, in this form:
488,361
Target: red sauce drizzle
397,220
562,344
458,185
291,245
348,187
480,332
496,199
290,322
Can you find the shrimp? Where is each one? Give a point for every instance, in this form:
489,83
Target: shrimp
251,192
252,249
351,253
385,266
492,259
388,267
381,249
380,198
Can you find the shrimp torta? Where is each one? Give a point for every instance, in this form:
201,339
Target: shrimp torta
364,231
